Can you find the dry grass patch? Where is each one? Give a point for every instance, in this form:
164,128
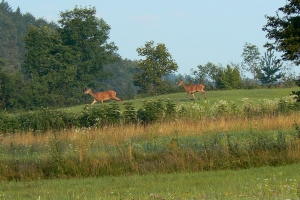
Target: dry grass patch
114,135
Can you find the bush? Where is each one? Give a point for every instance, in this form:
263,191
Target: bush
40,120
99,117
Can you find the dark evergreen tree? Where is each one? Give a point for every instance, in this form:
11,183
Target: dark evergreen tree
270,71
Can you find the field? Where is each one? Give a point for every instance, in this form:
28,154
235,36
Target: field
256,183
241,144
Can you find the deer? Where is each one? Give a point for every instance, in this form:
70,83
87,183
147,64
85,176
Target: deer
191,89
102,96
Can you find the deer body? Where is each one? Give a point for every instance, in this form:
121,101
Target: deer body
191,89
102,96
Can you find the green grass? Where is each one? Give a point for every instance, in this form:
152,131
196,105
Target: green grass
257,183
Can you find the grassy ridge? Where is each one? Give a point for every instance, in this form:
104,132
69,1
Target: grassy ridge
212,97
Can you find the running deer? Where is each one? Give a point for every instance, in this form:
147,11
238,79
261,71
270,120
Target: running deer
191,89
102,96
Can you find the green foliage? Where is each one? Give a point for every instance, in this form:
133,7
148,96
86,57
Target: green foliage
229,79
217,77
86,39
9,86
129,114
251,59
157,64
283,30
170,111
296,94
121,79
39,121
207,74
297,127
270,70
99,117
152,111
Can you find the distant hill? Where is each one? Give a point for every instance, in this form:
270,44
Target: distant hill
13,26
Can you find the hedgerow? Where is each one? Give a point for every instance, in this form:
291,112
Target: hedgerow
46,119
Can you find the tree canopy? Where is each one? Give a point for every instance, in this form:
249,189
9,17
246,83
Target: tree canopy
157,64
86,39
283,30
251,59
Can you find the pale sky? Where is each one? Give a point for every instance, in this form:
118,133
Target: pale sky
194,31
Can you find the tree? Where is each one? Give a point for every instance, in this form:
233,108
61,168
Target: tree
157,64
121,80
10,85
230,78
270,70
86,38
207,74
251,59
50,75
284,30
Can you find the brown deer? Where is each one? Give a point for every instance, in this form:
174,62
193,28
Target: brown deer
191,89
102,96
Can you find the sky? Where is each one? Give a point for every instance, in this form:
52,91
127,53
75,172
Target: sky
195,32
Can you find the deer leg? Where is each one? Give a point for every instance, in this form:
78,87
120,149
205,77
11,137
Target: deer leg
204,94
94,101
117,99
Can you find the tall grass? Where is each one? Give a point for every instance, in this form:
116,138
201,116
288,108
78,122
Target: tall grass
182,146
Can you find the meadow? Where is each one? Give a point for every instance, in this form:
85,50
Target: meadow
241,144
256,183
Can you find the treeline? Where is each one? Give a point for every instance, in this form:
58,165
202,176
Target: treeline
46,64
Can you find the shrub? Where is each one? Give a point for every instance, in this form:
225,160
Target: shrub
99,117
152,111
129,114
40,120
